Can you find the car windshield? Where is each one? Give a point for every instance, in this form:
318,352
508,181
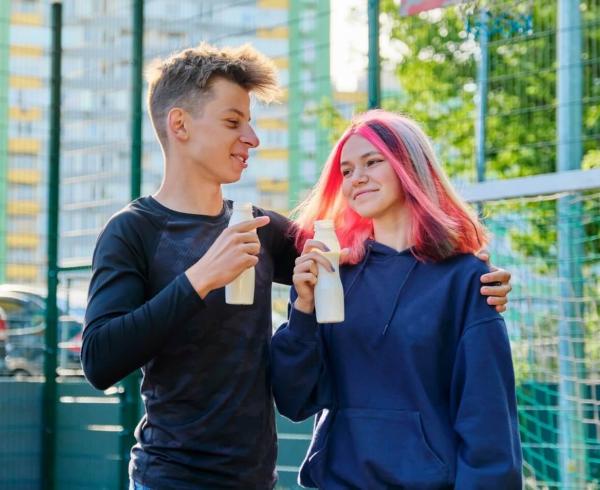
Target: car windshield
70,302
71,305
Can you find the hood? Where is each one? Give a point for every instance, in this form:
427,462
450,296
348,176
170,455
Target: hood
376,252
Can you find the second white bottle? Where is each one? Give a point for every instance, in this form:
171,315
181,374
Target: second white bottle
240,291
329,293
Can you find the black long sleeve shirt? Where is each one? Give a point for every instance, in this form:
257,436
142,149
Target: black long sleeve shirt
209,420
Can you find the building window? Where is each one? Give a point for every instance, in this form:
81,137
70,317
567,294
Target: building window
23,224
22,192
27,6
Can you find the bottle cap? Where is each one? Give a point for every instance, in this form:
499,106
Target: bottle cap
242,206
324,223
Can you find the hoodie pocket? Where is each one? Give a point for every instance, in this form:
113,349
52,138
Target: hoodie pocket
372,448
313,468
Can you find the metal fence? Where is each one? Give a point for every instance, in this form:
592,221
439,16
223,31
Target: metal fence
485,83
510,90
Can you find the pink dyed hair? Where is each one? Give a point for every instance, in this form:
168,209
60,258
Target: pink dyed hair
443,225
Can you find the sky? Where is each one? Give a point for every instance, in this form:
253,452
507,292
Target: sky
349,43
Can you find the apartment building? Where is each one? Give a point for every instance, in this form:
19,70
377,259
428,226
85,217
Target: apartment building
96,111
24,68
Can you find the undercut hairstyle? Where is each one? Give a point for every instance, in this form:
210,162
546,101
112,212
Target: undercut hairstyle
185,78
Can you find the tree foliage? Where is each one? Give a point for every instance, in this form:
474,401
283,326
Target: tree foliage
436,73
437,79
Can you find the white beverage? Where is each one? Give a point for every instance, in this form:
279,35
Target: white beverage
240,291
329,293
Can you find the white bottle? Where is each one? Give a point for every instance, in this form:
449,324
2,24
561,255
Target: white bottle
329,293
240,291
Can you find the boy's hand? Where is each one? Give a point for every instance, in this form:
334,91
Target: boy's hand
235,250
497,284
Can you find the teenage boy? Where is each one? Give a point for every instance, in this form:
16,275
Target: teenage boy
156,298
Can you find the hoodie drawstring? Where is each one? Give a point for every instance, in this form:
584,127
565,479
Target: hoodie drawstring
360,270
397,300
398,294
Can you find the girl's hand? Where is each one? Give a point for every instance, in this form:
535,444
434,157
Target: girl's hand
306,273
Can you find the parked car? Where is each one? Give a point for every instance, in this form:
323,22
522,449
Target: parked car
3,335
25,308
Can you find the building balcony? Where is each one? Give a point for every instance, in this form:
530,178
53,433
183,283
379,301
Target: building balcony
23,207
23,240
28,146
27,18
24,176
25,115
17,272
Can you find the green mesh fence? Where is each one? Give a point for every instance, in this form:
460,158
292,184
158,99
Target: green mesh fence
553,315
436,56
24,73
525,236
429,71
96,147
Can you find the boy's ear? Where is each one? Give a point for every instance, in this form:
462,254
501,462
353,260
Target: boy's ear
176,124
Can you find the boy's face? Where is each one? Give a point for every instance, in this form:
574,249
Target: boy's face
220,135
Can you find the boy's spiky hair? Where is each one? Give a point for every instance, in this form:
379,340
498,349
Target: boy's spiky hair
184,77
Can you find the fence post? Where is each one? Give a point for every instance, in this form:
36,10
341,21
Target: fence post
482,94
50,333
137,63
570,240
130,385
374,68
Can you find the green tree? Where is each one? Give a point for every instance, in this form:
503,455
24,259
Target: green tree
436,74
437,79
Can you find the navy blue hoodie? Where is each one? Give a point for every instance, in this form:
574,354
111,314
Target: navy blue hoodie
414,390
